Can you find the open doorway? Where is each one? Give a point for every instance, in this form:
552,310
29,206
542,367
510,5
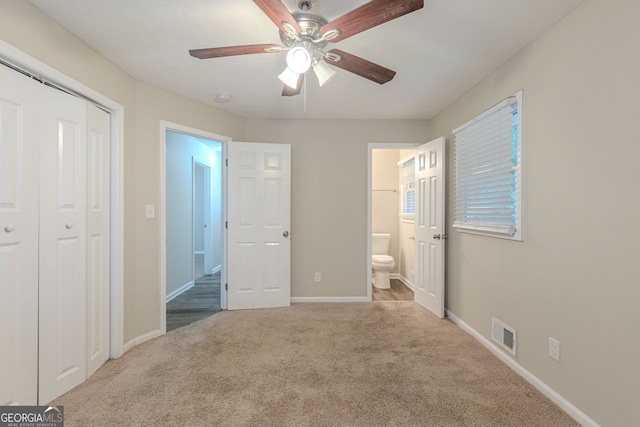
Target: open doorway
386,221
193,227
421,239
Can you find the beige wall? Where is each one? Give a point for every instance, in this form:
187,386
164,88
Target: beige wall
576,276
329,196
153,105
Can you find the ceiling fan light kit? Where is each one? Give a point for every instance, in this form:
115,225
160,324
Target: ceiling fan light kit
299,59
289,77
305,34
323,72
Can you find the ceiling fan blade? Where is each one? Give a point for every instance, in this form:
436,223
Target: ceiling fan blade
362,67
278,13
289,91
217,52
369,15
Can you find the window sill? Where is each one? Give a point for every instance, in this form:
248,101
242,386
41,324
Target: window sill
501,232
409,218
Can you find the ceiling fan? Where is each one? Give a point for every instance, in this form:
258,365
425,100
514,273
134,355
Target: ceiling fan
305,34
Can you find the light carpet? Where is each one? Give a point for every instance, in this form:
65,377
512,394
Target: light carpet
344,364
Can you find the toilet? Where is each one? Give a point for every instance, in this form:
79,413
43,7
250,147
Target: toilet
381,262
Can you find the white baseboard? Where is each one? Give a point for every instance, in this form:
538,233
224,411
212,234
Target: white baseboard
216,269
180,290
330,299
563,403
142,338
406,282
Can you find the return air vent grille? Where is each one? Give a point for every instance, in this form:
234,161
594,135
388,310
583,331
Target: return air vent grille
504,335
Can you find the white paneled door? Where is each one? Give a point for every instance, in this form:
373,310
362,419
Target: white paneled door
54,240
259,191
19,136
98,208
430,231
63,236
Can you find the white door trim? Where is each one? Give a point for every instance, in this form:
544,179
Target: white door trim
15,56
370,147
198,133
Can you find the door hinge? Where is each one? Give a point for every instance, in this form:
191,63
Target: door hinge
226,224
226,162
226,286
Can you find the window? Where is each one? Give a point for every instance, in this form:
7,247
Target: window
488,189
407,189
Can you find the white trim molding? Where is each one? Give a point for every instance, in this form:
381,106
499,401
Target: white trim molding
180,290
406,282
141,339
555,397
330,299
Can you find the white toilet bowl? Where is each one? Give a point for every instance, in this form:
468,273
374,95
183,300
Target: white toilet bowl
382,266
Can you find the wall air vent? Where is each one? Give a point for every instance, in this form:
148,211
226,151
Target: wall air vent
504,335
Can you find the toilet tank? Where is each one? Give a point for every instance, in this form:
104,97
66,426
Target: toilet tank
380,243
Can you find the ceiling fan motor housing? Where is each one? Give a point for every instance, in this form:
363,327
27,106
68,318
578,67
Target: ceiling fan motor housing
310,23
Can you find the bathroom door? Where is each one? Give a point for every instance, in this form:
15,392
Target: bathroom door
259,248
430,231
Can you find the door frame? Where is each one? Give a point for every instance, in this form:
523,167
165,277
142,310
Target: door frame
197,133
206,206
25,62
370,147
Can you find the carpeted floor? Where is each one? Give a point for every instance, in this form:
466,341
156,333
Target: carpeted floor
359,364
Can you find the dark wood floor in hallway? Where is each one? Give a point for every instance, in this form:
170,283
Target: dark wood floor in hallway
201,301
398,292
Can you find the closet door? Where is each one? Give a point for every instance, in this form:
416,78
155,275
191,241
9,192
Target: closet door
19,142
63,244
98,137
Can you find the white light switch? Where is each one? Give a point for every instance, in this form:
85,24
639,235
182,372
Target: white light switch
150,211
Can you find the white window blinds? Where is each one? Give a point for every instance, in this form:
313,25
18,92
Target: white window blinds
407,188
488,153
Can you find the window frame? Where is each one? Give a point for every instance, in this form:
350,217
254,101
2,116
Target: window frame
406,216
513,231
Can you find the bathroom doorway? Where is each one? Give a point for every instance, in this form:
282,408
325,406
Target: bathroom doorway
384,207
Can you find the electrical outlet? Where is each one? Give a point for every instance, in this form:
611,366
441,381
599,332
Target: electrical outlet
317,277
554,349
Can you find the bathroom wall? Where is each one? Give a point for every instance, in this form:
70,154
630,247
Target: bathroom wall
406,244
385,198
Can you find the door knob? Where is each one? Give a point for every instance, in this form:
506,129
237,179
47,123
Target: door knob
69,225
436,237
285,233
9,228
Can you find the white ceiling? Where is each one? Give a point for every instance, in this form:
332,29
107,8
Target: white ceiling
439,52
